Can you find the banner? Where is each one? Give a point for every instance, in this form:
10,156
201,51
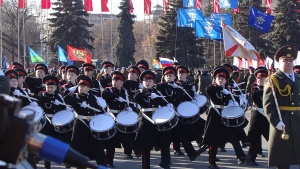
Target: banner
104,7
147,7
63,56
187,17
78,54
229,4
259,20
34,57
131,6
45,4
165,62
216,6
5,64
88,5
225,17
22,4
209,28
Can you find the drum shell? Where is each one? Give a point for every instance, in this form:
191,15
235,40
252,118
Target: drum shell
202,103
39,115
103,134
188,107
66,127
170,123
233,121
128,128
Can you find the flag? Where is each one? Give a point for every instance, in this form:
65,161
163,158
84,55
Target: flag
236,45
187,17
209,28
260,20
34,57
63,56
269,62
46,4
1,2
269,6
236,10
297,60
166,6
229,4
147,7
216,6
131,6
156,64
199,4
104,7
225,17
22,4
78,54
165,62
189,3
88,5
4,62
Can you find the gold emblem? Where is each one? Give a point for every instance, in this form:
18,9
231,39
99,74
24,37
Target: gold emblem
79,54
289,48
288,55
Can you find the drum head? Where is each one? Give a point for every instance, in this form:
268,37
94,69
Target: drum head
62,117
39,112
102,102
163,114
101,122
187,109
201,100
127,118
232,112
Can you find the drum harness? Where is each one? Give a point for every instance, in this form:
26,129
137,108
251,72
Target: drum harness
82,118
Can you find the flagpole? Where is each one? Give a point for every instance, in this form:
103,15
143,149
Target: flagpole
111,37
18,34
214,54
1,49
144,35
24,45
102,35
150,49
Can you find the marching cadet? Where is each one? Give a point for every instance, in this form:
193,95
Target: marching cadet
21,80
142,65
82,140
88,70
51,102
35,84
72,73
17,65
63,73
297,69
281,104
175,64
215,133
259,125
149,99
251,80
116,98
105,79
132,84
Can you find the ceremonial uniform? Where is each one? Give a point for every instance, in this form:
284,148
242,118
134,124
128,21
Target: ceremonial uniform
82,140
96,90
142,65
69,87
132,85
36,84
283,153
105,80
22,73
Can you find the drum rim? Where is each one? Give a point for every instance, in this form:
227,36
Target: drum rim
65,123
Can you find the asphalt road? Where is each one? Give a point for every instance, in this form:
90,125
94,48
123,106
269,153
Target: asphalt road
227,159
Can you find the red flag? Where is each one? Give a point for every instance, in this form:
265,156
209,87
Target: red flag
78,54
268,3
236,10
104,7
216,6
22,4
166,6
131,6
1,2
260,62
198,4
147,7
46,4
88,5
240,63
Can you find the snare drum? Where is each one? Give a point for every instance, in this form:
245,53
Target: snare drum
243,102
101,102
232,116
38,115
188,112
165,118
127,121
102,127
63,120
202,103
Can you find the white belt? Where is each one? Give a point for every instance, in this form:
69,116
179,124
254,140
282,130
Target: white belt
261,110
114,111
148,109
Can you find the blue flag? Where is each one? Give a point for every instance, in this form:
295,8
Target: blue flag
187,17
63,56
189,3
229,4
209,28
260,20
4,61
225,17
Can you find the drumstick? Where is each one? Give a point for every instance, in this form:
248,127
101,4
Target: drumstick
29,97
238,85
159,96
92,108
148,118
62,104
128,102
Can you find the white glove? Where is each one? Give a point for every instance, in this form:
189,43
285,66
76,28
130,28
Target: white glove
243,95
280,125
225,91
140,86
83,104
138,106
153,95
129,109
72,89
17,92
170,105
69,108
56,102
235,85
1,72
159,106
120,99
33,104
194,89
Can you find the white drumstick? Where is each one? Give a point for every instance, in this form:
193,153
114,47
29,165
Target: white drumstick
92,108
159,96
60,103
148,118
32,98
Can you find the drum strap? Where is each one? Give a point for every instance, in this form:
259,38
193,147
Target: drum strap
82,118
261,110
214,106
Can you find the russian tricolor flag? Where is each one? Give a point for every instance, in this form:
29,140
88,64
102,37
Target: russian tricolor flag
165,62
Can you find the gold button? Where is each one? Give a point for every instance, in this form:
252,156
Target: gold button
292,113
292,103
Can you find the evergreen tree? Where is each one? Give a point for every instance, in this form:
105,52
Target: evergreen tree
286,24
180,43
70,26
125,47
